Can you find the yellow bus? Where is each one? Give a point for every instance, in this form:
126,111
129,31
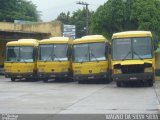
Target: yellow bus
21,59
90,59
132,57
54,59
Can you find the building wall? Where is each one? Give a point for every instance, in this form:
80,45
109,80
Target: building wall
50,28
13,31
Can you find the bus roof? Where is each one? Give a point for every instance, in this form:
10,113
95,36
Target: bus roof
56,40
23,42
91,39
128,34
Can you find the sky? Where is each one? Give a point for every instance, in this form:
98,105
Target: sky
50,9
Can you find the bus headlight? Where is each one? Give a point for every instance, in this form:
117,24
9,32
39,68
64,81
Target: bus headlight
64,69
30,71
103,70
7,70
148,69
77,72
117,71
40,70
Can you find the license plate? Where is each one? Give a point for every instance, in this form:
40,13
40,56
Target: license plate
92,77
52,76
19,76
133,78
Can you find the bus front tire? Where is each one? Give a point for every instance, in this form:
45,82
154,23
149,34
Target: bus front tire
119,84
45,80
150,83
13,79
81,81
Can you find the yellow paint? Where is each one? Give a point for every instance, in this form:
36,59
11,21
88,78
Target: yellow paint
57,67
132,62
19,67
54,66
86,67
92,67
91,39
23,42
129,34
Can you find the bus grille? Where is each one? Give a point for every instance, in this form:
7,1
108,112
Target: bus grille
128,69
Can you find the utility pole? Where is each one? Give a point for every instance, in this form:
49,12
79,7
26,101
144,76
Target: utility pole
87,16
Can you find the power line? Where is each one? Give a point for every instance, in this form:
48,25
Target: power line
86,4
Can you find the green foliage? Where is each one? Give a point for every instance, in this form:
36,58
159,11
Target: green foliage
78,18
65,18
122,15
11,10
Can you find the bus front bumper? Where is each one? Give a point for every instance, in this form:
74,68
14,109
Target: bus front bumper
133,77
19,75
98,76
54,75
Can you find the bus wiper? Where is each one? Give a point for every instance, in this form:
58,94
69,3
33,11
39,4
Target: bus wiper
48,57
126,56
57,58
84,57
94,56
137,55
24,60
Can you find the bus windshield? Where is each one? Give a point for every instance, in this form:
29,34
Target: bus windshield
89,52
53,52
26,54
19,54
132,48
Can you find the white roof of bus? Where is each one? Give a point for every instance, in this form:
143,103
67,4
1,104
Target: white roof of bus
132,34
23,42
56,40
91,38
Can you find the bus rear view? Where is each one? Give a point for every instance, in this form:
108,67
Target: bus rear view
132,57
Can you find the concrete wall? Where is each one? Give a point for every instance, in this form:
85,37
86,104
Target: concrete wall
52,28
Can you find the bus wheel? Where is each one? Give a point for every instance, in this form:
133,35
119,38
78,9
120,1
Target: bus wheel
45,80
107,81
13,79
150,83
81,81
119,84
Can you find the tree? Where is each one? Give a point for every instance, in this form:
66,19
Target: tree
65,18
121,15
11,10
147,15
78,18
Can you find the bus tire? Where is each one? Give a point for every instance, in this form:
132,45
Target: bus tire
45,80
13,79
119,84
81,81
150,83
107,81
